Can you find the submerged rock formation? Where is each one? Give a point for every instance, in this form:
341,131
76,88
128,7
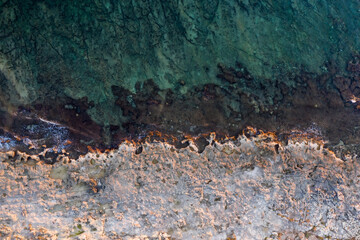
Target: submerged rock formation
59,49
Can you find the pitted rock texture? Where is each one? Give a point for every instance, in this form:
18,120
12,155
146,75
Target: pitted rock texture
249,188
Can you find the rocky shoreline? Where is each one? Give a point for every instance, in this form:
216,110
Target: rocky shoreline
328,103
252,187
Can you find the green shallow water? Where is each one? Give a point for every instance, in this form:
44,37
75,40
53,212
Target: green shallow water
83,48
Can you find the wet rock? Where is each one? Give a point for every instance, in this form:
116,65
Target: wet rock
354,65
124,100
210,92
232,75
201,143
139,150
226,109
334,100
342,83
355,87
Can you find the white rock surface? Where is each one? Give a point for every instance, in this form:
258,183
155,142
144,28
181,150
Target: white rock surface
242,189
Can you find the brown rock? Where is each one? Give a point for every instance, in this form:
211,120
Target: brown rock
354,65
342,83
355,87
347,94
334,100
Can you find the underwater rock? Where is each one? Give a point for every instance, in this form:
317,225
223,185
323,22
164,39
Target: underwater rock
225,109
81,49
354,65
342,83
109,72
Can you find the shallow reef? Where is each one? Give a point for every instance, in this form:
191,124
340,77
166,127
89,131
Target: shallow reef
75,54
328,102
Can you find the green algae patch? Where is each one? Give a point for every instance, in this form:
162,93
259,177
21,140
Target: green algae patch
77,231
59,173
